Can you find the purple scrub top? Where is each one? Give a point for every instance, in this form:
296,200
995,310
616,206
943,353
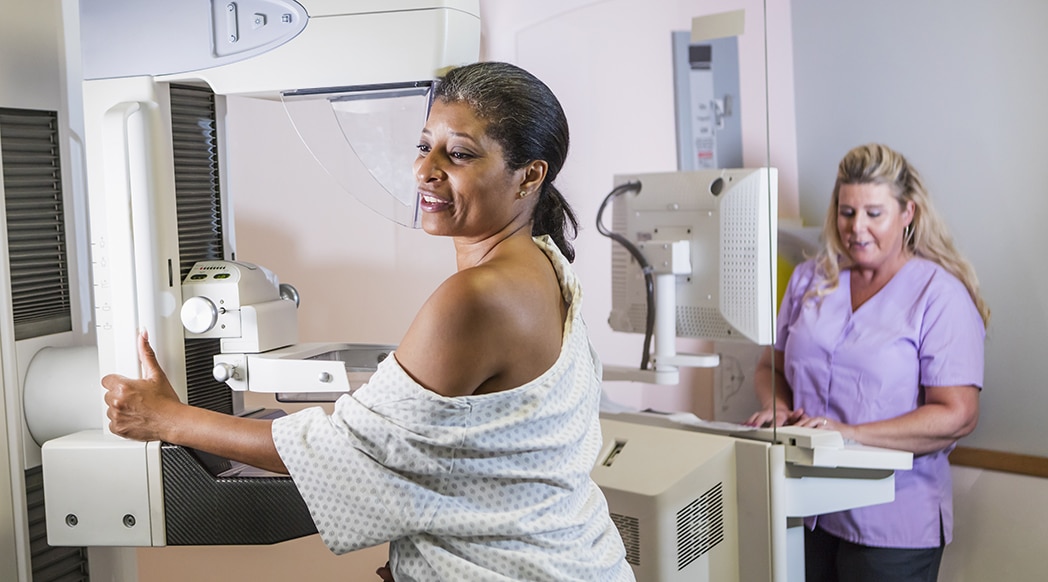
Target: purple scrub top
921,329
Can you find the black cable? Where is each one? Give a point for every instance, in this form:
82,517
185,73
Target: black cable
645,267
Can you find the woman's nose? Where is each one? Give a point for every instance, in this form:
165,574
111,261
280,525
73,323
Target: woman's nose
427,168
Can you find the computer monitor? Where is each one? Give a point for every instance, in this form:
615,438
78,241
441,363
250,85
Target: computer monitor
729,219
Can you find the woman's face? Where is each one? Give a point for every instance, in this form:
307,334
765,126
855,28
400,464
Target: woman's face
870,224
464,186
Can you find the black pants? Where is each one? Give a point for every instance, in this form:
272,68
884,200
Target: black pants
831,559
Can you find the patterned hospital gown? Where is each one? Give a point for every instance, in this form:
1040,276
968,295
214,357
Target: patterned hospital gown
483,487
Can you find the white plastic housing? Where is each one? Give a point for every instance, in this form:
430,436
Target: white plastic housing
103,491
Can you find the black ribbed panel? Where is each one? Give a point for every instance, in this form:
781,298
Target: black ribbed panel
198,198
201,509
50,564
36,236
199,205
203,390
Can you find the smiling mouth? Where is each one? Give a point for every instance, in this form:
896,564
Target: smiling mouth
432,203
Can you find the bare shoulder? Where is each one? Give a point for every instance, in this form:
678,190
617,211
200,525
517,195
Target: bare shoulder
477,331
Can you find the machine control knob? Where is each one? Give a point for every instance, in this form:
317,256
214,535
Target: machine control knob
289,293
223,371
199,314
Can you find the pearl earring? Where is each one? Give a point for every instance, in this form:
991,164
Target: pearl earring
523,193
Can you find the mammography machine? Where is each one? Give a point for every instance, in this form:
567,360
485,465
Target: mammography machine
162,251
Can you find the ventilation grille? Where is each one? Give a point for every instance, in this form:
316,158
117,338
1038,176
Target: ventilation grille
198,202
629,530
740,216
700,526
629,308
36,235
695,321
50,564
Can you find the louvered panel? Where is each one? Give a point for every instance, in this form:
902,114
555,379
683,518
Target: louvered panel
196,175
27,227
37,299
203,390
36,239
28,192
199,215
49,564
700,526
33,251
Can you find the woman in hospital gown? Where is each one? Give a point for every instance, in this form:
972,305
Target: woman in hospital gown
470,448
880,337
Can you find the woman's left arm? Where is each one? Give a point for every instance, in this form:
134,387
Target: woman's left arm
948,413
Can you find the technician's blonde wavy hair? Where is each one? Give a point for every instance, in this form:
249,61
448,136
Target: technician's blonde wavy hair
926,237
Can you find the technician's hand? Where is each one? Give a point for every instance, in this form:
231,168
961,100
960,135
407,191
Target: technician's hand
778,417
141,409
848,431
817,422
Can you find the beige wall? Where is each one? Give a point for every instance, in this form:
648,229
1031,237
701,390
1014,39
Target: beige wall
306,559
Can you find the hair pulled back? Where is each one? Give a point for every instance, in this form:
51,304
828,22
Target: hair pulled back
527,121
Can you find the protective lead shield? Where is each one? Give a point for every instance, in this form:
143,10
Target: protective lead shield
365,138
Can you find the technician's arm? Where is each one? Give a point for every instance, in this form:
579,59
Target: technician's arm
149,409
773,392
948,413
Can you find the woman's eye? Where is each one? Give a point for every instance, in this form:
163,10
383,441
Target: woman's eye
423,148
461,155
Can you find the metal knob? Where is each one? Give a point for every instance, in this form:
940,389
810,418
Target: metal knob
199,314
223,371
288,292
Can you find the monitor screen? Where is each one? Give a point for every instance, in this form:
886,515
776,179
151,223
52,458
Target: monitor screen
728,219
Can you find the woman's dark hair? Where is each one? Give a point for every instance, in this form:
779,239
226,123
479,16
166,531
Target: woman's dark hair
526,119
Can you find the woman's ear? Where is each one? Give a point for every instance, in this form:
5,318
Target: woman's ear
534,175
908,213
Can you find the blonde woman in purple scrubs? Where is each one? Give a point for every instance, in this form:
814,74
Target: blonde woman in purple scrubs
881,338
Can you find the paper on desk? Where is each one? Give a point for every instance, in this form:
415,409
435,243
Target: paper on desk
689,419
